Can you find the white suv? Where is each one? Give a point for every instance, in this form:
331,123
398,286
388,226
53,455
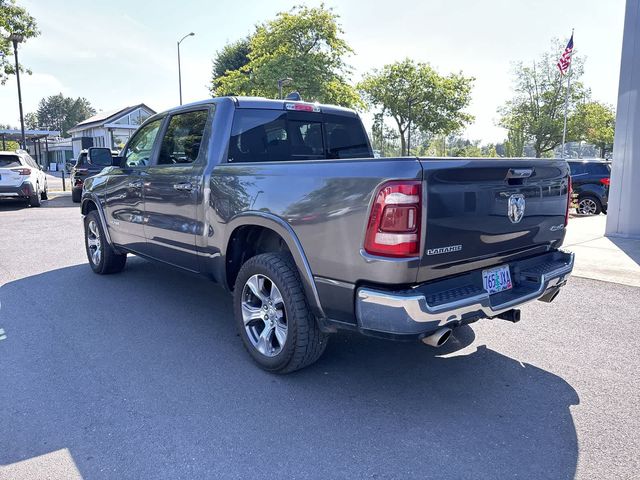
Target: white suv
22,177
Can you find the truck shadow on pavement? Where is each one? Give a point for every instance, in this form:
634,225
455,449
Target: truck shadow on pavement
142,375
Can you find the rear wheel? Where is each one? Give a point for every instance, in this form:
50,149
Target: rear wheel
273,315
75,195
588,205
34,200
102,257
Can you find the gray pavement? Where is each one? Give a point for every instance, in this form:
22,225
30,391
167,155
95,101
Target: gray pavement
142,375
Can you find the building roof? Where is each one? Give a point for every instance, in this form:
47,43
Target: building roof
16,134
108,117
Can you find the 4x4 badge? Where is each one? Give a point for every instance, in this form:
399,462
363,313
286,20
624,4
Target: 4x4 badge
515,208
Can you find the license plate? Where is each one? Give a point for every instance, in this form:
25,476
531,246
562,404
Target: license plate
497,279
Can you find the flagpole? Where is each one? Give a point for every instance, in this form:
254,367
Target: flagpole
566,107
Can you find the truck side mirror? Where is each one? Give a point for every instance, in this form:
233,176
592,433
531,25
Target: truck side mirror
116,161
99,156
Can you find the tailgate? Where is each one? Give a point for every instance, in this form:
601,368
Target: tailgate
486,212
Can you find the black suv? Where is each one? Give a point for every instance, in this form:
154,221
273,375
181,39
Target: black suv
590,180
85,167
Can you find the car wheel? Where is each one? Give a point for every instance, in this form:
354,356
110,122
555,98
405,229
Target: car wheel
45,192
273,315
75,195
588,205
102,257
34,200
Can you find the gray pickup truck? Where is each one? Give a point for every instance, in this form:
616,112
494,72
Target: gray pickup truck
283,204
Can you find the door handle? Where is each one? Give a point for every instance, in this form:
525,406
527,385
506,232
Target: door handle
183,187
135,184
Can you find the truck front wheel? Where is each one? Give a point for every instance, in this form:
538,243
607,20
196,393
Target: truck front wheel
273,315
103,259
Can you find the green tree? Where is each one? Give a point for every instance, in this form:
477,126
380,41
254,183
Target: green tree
60,113
514,144
304,44
383,138
594,122
537,108
415,93
232,56
13,19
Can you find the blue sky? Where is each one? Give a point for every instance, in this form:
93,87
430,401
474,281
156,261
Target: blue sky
121,53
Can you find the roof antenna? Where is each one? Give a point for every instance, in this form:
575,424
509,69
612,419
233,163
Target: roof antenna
294,96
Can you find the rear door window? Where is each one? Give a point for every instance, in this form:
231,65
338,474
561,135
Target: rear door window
577,168
276,135
598,169
9,161
346,137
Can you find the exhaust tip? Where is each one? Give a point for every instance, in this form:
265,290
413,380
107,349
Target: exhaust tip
438,338
444,338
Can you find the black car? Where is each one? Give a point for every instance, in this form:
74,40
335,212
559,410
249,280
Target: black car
590,180
85,167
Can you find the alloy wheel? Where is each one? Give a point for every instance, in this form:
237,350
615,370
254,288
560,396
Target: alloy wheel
93,242
587,206
264,315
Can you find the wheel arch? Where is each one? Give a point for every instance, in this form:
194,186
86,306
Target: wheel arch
91,203
273,234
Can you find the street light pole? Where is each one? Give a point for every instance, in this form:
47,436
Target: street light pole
179,72
410,102
16,39
281,82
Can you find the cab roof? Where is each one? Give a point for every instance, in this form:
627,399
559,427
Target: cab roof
264,104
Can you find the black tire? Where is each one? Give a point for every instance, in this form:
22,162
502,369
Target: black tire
34,200
304,342
109,260
594,205
76,194
45,193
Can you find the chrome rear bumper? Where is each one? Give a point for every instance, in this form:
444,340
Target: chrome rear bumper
425,308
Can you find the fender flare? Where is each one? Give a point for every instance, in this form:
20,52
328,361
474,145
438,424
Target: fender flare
282,228
90,197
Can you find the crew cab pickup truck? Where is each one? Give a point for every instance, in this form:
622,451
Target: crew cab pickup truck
282,203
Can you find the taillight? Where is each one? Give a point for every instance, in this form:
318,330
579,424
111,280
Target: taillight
393,229
569,194
23,171
605,181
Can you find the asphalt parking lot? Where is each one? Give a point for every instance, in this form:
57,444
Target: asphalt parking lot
142,375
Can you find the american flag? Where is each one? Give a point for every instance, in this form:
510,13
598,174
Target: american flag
565,59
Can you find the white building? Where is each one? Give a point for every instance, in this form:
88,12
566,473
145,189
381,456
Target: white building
623,217
108,129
